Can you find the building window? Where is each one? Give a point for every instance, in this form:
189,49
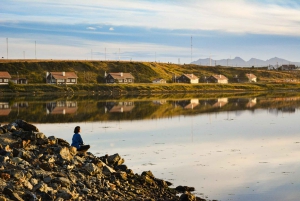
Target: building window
1,80
68,80
121,80
73,80
111,80
125,80
5,80
129,80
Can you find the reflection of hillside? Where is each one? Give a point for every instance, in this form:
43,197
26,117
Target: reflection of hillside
78,110
61,107
119,107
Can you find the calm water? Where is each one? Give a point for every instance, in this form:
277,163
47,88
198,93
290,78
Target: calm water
244,148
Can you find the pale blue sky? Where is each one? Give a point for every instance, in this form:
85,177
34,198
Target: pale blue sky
147,30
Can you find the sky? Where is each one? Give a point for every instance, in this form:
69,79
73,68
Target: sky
173,31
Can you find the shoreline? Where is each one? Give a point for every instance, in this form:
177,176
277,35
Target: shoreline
48,168
144,89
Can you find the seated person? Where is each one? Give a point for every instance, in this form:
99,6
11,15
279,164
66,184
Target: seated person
77,140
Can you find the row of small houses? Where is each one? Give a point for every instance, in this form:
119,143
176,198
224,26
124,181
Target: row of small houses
71,78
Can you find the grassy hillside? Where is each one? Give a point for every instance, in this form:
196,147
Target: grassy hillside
144,72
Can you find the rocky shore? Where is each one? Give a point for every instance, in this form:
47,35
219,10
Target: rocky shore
34,167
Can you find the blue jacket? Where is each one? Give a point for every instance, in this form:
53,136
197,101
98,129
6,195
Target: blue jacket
77,140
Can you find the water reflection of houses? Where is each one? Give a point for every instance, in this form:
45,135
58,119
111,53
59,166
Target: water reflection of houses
61,107
287,109
159,102
220,102
119,106
20,105
215,103
188,104
4,109
251,103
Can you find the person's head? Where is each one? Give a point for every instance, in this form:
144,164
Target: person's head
77,129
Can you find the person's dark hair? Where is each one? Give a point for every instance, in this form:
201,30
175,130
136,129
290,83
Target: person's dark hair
77,129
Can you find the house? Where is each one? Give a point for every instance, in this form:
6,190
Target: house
287,67
119,78
159,81
4,77
187,78
217,79
251,77
271,67
19,80
61,78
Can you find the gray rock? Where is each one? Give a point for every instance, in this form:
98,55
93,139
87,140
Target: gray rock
63,181
64,153
187,196
91,168
26,126
113,158
52,140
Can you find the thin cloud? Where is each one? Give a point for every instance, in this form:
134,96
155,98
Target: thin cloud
111,29
91,28
244,16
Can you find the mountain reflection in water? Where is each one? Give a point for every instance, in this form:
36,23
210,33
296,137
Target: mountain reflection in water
94,109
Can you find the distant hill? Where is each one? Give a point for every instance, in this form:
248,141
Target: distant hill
239,62
89,72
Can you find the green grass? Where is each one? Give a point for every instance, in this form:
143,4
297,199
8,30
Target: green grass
91,77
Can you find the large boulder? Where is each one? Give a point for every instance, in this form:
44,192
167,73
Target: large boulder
26,126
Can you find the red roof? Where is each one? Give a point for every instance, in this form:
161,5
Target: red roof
191,76
121,75
250,76
4,74
220,77
63,75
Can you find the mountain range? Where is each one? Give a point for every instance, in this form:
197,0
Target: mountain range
239,62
